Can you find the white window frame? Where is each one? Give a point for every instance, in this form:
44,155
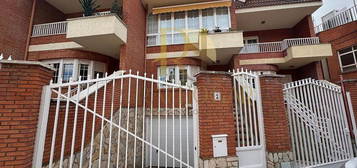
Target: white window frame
354,49
191,70
245,39
186,30
92,66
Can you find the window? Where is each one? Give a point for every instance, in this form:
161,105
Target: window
184,27
208,19
153,29
98,74
83,71
250,40
179,27
181,75
56,66
165,29
67,72
348,59
75,69
222,18
193,20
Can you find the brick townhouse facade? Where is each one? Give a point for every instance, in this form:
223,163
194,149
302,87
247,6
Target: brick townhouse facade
185,43
340,67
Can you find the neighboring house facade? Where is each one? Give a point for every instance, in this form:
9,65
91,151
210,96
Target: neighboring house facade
340,29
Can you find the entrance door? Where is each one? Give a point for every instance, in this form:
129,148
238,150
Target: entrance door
249,120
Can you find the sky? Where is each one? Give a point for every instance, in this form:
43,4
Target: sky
329,5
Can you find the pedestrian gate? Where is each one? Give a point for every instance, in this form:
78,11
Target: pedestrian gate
318,123
121,120
249,120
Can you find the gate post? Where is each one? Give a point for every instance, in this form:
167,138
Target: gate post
276,122
21,85
215,104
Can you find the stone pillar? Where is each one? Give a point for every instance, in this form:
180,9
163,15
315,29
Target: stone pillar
21,85
276,125
216,117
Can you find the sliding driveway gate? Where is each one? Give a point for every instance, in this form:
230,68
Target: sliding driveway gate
318,123
121,120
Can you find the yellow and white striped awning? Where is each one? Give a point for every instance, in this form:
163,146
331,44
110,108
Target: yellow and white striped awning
193,6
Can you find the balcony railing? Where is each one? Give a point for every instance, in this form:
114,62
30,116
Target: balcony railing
49,29
278,46
344,17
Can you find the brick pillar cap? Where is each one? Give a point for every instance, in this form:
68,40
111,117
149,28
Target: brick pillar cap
27,63
214,72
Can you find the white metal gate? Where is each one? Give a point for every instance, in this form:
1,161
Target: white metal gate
318,124
249,120
117,121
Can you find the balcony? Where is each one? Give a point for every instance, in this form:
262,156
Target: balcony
218,48
347,16
103,33
161,3
294,53
282,16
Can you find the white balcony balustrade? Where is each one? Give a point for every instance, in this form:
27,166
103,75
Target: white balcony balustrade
49,29
278,46
342,18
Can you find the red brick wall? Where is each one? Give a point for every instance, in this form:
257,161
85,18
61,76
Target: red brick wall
271,35
14,25
46,13
20,96
340,38
275,117
132,54
234,24
215,117
49,39
224,68
302,29
305,28
79,54
312,70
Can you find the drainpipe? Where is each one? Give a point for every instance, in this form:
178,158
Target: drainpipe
349,120
30,29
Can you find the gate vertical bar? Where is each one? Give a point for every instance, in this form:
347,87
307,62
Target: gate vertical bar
42,127
260,116
349,101
347,131
195,126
